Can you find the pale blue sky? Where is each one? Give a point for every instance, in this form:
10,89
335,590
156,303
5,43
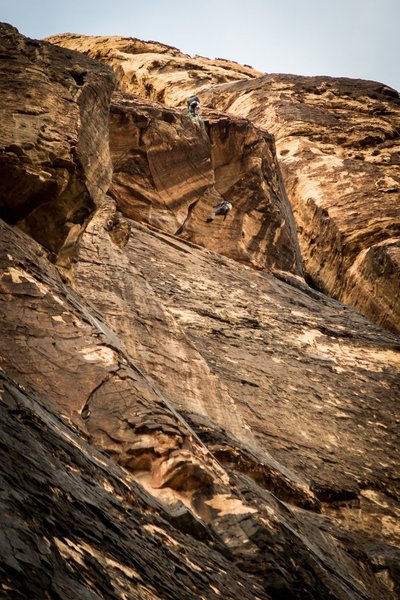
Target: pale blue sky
349,38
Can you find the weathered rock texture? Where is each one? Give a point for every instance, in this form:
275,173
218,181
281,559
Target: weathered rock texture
154,70
175,423
247,348
75,525
169,172
54,157
338,145
63,353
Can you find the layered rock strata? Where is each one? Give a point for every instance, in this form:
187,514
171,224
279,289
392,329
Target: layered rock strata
176,423
54,157
153,70
214,477
75,525
170,172
338,147
272,335
338,143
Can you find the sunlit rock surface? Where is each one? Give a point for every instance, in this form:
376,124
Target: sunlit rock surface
154,70
170,172
181,419
216,458
338,146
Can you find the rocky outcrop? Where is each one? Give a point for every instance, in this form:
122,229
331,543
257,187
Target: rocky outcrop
170,172
162,162
183,287
207,474
339,149
175,423
54,157
337,144
78,526
153,70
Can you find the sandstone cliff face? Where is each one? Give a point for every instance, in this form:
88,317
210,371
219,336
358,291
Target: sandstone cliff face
338,147
170,172
216,492
182,415
338,143
54,157
154,70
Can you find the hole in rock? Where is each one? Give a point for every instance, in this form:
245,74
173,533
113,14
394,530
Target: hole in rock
79,77
313,283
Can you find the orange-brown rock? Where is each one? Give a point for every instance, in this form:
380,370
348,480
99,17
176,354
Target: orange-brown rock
170,172
175,423
272,335
75,525
154,70
161,162
54,157
339,149
207,480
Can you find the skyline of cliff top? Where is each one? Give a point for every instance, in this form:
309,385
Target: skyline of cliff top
348,38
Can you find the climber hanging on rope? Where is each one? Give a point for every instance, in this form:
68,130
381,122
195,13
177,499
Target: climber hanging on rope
193,104
222,209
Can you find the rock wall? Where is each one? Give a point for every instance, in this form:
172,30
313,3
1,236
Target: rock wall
78,526
210,470
170,172
339,149
182,415
155,71
337,143
54,157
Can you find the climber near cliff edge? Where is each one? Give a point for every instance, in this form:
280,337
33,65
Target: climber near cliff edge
223,209
193,104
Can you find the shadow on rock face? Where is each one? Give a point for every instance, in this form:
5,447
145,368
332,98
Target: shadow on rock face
54,157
